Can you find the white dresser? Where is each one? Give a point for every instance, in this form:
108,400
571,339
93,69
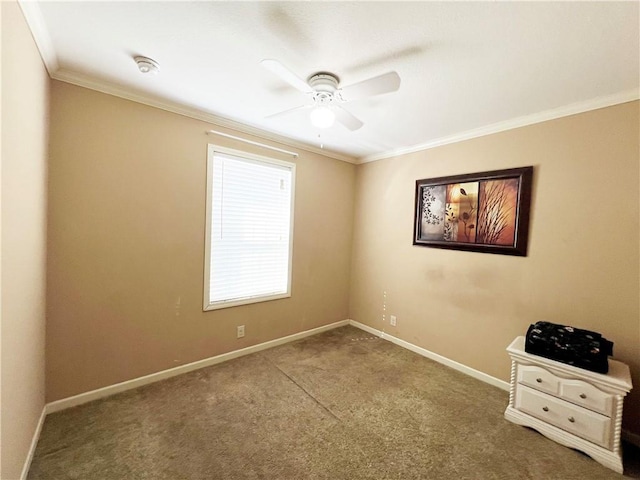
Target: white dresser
573,406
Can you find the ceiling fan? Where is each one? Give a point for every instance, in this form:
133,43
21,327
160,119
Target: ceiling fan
324,90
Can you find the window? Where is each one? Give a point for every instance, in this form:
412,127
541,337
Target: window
249,230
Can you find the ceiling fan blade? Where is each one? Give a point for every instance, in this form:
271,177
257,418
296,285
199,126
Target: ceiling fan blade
288,111
287,75
385,83
347,118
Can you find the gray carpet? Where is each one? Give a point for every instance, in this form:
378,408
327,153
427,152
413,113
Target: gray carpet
339,405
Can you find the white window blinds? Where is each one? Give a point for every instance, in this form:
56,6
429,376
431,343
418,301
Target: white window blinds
249,228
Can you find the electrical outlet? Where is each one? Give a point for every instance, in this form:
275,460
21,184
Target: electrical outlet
240,331
392,320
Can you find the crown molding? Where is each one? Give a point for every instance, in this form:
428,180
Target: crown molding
565,111
197,114
33,16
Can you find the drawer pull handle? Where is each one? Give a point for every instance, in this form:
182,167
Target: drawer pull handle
571,419
546,409
583,396
539,380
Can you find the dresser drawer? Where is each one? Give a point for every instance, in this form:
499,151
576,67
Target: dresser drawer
538,378
586,395
579,421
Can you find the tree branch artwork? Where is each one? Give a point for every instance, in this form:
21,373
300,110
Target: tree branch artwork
467,216
484,212
460,212
496,210
427,200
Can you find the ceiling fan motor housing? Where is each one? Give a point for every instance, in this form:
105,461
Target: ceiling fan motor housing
323,88
324,85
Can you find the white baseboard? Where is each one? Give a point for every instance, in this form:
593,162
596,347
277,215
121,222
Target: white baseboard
34,444
627,436
189,367
172,372
434,356
155,377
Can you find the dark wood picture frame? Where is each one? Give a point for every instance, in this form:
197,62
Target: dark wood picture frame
484,212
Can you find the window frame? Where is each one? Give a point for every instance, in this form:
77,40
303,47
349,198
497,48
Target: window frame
212,150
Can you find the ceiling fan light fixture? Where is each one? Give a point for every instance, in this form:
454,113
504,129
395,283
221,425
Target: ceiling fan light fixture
322,117
147,65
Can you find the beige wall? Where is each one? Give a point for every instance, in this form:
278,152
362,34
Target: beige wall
126,245
583,263
24,153
126,219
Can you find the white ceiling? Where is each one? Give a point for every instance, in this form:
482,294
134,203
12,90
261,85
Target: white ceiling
466,68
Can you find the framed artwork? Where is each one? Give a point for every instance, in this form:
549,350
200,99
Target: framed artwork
480,212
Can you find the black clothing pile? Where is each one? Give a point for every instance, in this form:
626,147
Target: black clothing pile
573,346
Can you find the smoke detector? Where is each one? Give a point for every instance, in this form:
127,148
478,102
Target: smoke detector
147,65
